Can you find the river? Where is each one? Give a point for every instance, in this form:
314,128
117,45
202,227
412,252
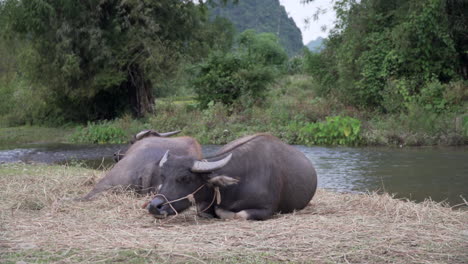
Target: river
440,174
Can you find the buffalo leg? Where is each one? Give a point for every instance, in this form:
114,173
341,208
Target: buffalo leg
205,212
248,214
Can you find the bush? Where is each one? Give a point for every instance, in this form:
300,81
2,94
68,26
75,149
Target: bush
321,68
432,97
336,130
295,66
25,104
417,126
244,73
100,133
262,48
226,77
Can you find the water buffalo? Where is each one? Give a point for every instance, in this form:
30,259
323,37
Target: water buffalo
252,177
139,169
145,133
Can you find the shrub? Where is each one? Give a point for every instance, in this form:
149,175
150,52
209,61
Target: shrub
25,104
100,133
262,48
416,127
336,130
431,97
295,66
226,77
321,68
244,73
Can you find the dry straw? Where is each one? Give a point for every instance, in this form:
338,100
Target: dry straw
39,221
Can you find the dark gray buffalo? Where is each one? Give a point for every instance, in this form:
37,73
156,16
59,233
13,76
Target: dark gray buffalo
250,178
139,169
145,133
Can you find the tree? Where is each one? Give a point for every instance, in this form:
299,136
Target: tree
243,73
262,48
396,47
100,58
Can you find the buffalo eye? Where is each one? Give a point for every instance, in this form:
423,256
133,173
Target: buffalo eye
183,179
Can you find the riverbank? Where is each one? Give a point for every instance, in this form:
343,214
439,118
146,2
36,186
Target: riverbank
40,223
14,136
216,126
292,111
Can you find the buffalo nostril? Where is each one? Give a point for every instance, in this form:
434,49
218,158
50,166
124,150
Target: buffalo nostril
156,205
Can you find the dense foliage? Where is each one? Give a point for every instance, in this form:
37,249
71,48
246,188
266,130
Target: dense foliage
105,55
263,16
244,73
336,130
100,133
391,72
388,54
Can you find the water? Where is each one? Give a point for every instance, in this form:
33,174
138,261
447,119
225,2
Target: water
413,173
92,156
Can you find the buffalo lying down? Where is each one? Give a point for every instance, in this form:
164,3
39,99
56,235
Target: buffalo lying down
139,169
141,135
251,178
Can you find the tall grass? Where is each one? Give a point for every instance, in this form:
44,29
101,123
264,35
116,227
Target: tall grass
417,127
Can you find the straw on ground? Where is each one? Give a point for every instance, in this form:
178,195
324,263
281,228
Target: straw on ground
40,222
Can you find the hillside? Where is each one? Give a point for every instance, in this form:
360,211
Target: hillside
316,44
263,16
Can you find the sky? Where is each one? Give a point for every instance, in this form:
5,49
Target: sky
300,12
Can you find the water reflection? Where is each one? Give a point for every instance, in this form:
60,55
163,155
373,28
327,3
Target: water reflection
415,173
89,155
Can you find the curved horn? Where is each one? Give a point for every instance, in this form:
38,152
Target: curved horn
163,159
168,134
207,166
142,134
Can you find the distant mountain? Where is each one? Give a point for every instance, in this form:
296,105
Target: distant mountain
263,16
316,45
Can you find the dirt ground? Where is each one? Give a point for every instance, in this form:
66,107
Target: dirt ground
39,222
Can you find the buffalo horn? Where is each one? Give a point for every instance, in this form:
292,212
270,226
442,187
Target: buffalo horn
207,166
142,134
163,159
168,134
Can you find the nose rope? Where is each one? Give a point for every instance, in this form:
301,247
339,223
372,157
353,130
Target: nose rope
191,198
216,196
167,202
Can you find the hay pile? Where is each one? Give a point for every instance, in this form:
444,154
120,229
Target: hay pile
39,222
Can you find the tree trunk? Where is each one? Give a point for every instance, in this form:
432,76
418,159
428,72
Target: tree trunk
140,92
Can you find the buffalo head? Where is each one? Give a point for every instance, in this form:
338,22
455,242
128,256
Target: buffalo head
184,178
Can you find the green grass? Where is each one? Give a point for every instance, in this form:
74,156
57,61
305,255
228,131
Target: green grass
290,111
13,136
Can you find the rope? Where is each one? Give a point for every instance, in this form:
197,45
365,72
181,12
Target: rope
191,198
216,196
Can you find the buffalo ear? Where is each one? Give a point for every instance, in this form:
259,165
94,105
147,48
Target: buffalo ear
222,181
